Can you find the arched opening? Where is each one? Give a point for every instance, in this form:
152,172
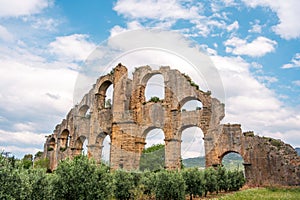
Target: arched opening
109,97
192,105
105,157
103,139
192,148
233,161
51,144
104,96
81,145
153,156
64,139
85,147
83,111
155,88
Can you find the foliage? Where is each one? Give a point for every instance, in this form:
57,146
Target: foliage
169,185
148,183
41,163
210,185
154,99
27,161
108,103
194,180
222,179
236,180
124,184
154,148
80,178
38,155
194,85
9,179
153,158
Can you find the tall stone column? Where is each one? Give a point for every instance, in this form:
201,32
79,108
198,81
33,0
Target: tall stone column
172,153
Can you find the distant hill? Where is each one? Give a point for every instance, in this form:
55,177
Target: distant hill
231,161
298,150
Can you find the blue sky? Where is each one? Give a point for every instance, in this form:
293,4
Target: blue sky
255,45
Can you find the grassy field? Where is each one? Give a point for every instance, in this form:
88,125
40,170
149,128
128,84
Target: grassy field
290,193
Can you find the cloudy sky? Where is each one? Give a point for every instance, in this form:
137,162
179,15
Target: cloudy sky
255,45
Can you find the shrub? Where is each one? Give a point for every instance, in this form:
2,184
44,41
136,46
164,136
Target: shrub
169,185
80,178
194,181
124,184
154,99
210,177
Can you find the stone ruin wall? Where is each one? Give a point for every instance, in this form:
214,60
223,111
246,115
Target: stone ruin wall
127,122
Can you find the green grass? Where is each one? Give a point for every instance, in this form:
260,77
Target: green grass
265,193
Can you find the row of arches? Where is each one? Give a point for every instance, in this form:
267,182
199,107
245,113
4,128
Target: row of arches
155,87
192,149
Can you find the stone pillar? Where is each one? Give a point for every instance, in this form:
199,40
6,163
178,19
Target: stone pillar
119,101
172,153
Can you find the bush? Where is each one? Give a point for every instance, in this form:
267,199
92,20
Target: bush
210,177
169,185
80,178
222,179
154,99
10,180
124,184
236,180
194,181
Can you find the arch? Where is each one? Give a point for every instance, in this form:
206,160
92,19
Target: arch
83,110
232,160
106,147
102,95
153,155
192,148
103,139
109,97
51,144
64,139
195,100
81,145
100,137
154,86
192,105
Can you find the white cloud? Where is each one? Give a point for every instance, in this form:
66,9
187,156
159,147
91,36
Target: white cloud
21,138
49,24
15,8
294,63
233,26
154,9
256,27
133,25
5,35
287,11
257,48
25,89
74,47
297,82
165,13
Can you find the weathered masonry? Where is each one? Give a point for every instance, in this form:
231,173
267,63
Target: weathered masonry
130,118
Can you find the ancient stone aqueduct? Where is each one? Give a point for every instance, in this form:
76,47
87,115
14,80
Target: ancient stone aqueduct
127,122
